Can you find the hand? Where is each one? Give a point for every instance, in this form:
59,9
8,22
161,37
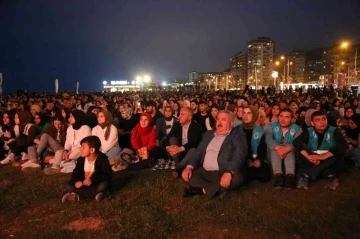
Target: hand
187,173
78,184
314,159
145,155
225,180
173,149
87,182
140,153
36,141
65,155
257,163
7,134
250,163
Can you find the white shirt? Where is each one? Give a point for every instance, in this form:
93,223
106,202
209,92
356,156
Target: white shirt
89,168
74,137
112,141
185,129
212,152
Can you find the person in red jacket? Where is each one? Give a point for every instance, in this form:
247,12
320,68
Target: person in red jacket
143,141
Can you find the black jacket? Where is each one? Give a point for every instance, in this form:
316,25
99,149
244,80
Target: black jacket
102,170
194,135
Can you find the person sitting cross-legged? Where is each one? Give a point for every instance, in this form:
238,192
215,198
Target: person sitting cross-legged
257,167
218,164
92,175
183,139
322,148
279,137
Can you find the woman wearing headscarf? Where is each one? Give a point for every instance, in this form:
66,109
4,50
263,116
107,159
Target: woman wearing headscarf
143,141
258,168
74,134
354,129
107,134
6,126
25,133
126,124
92,116
35,109
52,140
210,121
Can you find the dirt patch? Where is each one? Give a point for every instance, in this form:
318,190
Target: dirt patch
84,224
5,184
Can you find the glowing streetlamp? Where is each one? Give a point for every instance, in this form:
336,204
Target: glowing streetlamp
344,44
147,78
277,63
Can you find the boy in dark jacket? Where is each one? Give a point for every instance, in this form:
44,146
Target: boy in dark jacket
92,175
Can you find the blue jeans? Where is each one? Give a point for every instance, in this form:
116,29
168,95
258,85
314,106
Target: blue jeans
113,152
356,154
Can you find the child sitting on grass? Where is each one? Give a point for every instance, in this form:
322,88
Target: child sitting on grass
92,175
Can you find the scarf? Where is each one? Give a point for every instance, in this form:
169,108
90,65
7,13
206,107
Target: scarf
107,124
80,119
255,113
345,117
147,130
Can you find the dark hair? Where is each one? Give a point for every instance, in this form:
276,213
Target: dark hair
212,121
317,113
52,131
151,103
194,101
93,142
287,110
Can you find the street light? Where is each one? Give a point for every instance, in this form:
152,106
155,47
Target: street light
344,44
277,63
146,78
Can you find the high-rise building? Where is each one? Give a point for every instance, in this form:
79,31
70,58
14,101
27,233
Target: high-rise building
314,64
260,57
239,68
297,66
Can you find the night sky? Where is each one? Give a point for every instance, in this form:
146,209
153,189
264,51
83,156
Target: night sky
95,40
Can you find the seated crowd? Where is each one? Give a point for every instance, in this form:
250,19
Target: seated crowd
215,141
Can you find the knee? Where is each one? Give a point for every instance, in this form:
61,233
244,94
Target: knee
237,180
103,186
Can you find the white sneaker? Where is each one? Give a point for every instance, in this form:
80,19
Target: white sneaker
24,156
7,160
29,165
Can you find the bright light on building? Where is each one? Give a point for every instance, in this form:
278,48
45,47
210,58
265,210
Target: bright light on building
133,82
164,84
104,82
146,78
138,78
282,57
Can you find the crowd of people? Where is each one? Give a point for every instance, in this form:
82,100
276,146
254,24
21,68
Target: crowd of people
216,141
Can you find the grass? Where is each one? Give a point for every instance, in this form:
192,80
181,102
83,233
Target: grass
148,204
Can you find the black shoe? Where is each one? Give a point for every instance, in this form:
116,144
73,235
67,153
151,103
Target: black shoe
192,191
224,195
303,182
290,182
279,181
332,183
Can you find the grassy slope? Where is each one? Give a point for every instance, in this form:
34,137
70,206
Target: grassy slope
148,204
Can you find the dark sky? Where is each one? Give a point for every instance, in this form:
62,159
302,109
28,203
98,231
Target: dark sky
94,40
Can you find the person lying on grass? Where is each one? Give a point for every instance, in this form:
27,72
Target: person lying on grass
321,148
92,175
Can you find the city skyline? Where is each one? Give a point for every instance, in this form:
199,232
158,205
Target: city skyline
91,43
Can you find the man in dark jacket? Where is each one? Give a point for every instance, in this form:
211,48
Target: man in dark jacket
218,164
183,139
92,175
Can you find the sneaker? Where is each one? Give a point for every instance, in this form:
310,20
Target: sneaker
332,183
100,196
7,160
290,182
118,167
70,197
159,164
279,181
51,171
303,182
167,164
172,165
30,165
